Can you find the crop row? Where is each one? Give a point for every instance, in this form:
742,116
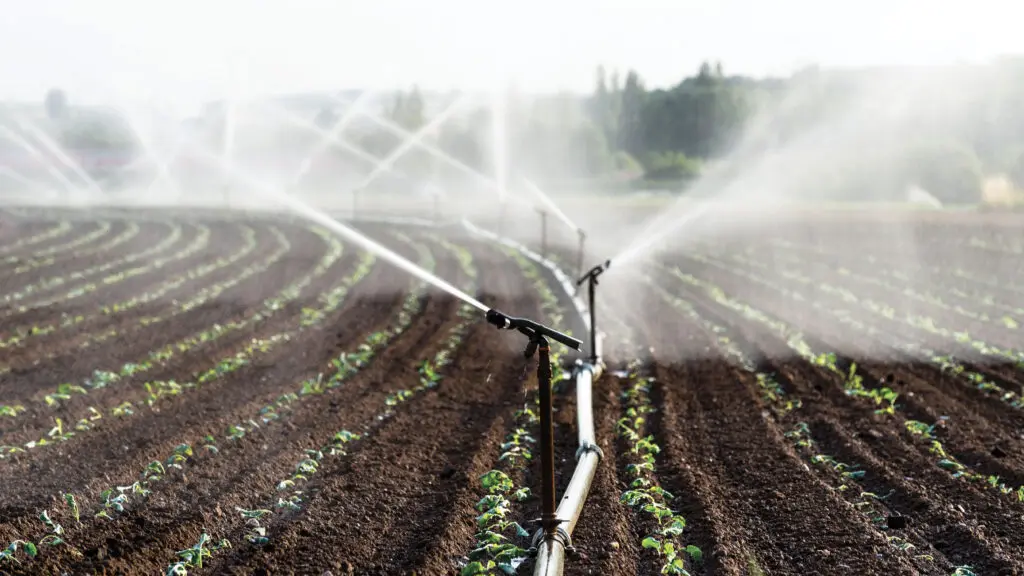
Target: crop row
158,389
116,499
49,256
885,401
198,244
968,286
663,526
495,549
944,361
888,312
23,333
58,230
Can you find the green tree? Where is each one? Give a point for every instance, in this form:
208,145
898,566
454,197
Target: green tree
630,125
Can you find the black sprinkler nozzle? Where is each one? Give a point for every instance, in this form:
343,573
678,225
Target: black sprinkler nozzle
531,328
594,273
498,319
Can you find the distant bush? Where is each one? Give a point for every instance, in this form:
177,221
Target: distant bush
661,166
626,164
949,171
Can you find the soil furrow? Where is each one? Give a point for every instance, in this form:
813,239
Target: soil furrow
227,239
49,299
421,496
254,463
235,304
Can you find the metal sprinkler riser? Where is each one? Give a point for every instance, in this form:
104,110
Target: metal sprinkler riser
538,335
591,279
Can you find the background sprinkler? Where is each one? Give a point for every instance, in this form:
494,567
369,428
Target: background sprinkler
538,335
591,278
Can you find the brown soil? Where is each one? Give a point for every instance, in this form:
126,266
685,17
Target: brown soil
401,501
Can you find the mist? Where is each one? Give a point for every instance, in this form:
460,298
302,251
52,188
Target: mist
710,168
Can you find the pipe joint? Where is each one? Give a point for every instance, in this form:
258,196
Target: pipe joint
559,535
584,449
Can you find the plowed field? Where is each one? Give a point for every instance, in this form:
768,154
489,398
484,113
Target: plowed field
204,394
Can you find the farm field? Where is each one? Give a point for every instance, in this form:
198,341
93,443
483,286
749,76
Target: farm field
189,393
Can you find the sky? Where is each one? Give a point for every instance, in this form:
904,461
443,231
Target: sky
185,52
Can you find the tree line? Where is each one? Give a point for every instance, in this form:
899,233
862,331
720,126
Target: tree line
856,134
868,134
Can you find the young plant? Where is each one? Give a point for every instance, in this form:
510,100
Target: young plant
193,557
644,493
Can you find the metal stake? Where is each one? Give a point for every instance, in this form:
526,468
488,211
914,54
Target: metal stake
548,520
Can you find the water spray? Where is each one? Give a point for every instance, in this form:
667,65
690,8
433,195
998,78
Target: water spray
538,335
561,215
55,149
17,177
36,154
311,213
319,217
432,150
543,232
413,139
333,136
550,205
591,279
579,254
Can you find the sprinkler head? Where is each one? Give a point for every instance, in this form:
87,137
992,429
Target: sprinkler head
498,319
531,328
595,272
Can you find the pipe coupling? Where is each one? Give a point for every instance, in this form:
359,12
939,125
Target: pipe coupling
589,447
561,535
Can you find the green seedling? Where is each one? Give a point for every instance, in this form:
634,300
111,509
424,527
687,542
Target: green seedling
154,471
52,526
11,411
63,393
69,499
313,386
8,554
644,493
428,374
496,482
181,454
111,503
193,557
252,514
210,444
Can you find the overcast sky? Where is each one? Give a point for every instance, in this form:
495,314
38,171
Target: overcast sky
191,50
